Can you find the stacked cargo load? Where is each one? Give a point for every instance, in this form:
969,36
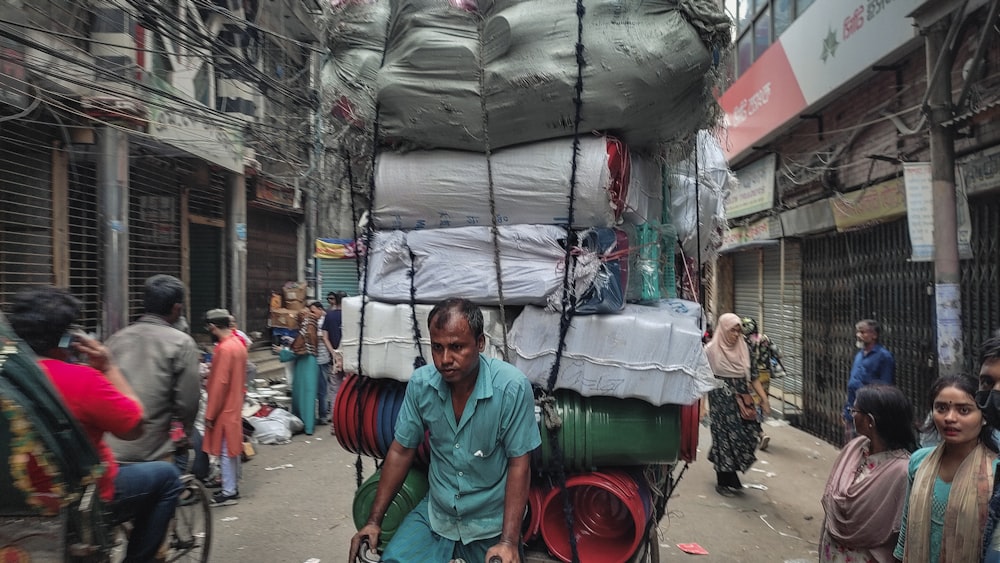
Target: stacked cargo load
515,158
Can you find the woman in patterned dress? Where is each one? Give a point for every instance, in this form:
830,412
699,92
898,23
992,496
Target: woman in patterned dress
734,439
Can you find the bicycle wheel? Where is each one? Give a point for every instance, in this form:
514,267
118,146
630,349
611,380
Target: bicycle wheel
190,535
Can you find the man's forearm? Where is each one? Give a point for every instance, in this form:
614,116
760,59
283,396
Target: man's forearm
516,498
393,472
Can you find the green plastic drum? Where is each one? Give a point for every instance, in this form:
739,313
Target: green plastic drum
605,431
414,490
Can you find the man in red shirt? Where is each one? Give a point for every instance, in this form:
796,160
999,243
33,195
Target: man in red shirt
101,399
224,410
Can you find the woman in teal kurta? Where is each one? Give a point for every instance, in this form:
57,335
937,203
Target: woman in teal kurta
306,370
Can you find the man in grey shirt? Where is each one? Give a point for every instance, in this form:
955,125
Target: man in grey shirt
161,364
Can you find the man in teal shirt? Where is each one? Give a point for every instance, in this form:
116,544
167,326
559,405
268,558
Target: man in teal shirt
480,414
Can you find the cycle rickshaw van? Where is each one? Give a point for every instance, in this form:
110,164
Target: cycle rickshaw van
50,509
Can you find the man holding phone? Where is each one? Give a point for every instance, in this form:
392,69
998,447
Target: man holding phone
101,399
161,364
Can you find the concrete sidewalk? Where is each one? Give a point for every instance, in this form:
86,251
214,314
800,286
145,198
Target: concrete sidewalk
779,517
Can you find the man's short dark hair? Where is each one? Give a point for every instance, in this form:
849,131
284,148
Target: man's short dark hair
41,315
162,293
442,312
989,350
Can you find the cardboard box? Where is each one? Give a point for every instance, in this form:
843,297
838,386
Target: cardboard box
295,291
294,304
248,451
284,318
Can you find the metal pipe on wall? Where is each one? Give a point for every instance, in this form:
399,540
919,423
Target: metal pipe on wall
237,239
113,195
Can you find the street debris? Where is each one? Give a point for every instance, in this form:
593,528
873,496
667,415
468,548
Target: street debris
692,548
230,518
763,518
283,466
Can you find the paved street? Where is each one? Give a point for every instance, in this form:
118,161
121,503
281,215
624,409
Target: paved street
297,500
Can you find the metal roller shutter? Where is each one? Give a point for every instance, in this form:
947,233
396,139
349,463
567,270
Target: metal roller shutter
272,246
154,223
85,242
782,319
25,214
746,284
338,275
206,261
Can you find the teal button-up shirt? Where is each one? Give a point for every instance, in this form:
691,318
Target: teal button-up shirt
469,459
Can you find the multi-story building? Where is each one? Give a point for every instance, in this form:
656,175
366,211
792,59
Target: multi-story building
144,137
832,124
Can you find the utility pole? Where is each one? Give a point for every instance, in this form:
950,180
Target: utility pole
947,276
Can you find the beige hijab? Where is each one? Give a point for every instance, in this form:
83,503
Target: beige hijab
727,351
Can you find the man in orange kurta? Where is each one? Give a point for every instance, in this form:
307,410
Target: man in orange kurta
223,412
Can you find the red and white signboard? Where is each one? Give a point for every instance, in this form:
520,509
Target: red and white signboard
828,46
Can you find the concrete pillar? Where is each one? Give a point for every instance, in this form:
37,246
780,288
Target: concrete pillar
236,226
947,276
113,194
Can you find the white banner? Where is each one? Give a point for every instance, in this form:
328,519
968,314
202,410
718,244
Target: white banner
920,213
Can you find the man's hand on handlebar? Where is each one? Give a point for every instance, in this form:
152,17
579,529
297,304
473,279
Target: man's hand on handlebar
504,551
365,538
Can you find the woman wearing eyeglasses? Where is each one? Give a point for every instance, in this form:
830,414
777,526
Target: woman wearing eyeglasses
864,496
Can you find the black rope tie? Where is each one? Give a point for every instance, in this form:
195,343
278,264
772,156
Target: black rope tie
494,221
568,296
369,231
419,360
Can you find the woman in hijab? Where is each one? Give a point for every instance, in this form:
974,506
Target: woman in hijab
734,439
864,496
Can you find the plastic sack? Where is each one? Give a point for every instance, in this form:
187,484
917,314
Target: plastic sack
441,189
715,180
389,350
646,353
293,422
270,430
459,263
648,77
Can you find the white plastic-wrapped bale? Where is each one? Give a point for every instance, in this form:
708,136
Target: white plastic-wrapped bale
440,189
387,267
715,180
459,263
646,353
644,197
389,348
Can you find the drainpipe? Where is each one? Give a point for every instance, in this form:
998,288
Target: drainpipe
237,241
113,188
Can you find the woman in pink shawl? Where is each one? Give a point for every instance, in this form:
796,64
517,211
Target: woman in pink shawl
734,440
865,493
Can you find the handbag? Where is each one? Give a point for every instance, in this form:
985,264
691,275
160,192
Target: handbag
745,406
